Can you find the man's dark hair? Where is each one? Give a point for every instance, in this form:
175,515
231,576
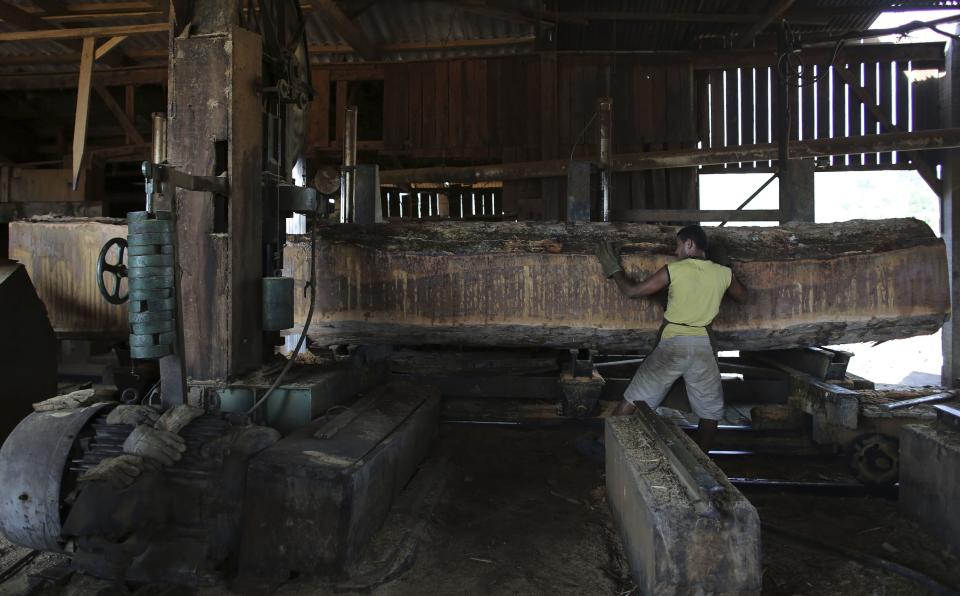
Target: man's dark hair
694,233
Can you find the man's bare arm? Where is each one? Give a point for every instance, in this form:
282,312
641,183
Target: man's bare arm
737,290
646,287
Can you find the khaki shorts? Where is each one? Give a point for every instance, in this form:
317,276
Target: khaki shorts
689,357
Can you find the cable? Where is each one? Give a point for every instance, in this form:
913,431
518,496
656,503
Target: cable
306,325
582,132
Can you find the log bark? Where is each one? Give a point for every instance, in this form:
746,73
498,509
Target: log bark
515,284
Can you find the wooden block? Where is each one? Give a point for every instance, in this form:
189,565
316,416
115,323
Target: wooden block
335,493
670,546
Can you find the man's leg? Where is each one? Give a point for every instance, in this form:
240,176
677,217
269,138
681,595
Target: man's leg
705,391
624,408
705,433
653,379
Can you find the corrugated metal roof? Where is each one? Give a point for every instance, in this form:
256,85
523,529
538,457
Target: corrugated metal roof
457,29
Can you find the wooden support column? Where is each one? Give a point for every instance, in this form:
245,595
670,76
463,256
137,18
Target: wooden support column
83,108
215,126
950,219
796,191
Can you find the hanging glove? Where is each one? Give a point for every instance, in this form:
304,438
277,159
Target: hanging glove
718,253
76,399
177,417
160,445
132,415
120,471
608,253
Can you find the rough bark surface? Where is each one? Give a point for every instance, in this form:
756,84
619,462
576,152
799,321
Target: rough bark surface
538,284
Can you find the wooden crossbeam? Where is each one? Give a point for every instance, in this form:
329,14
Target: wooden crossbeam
156,75
29,23
660,215
82,32
83,108
51,6
776,11
33,25
685,158
118,113
107,46
331,12
926,171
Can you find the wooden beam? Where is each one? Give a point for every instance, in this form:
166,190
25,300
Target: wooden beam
29,23
776,11
112,77
926,171
684,17
107,46
692,215
51,6
330,12
83,32
83,108
33,25
118,113
429,45
685,158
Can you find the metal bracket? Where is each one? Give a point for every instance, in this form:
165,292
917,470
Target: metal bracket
159,175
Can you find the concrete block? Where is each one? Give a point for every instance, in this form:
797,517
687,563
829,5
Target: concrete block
930,480
670,546
312,503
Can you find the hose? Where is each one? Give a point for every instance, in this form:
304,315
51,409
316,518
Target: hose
306,325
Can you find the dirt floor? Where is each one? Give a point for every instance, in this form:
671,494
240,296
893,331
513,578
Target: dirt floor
502,510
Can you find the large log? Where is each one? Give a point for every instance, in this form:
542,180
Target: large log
538,284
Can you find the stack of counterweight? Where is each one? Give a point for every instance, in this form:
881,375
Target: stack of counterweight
150,271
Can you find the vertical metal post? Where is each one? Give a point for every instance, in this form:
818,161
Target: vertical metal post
349,163
158,154
159,148
605,110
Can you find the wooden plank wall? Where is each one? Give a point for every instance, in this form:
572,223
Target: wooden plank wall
533,107
518,108
737,107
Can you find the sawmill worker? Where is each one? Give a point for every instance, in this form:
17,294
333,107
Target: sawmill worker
695,287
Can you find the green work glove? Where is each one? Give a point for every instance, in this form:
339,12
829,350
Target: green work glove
608,254
120,471
159,445
76,399
132,415
177,417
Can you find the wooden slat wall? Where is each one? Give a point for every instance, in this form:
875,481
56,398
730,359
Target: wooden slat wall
822,106
508,109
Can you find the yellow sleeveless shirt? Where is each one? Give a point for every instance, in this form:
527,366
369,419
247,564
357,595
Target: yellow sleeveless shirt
693,298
